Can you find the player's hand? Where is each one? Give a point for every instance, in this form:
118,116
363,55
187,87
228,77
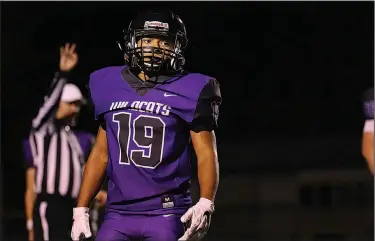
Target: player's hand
101,198
199,216
68,57
81,223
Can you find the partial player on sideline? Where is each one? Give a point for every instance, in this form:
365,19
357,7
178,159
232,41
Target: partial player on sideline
368,129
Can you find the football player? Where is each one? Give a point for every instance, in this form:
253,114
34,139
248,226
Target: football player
149,110
368,129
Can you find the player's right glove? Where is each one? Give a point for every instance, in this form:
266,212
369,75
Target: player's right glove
81,224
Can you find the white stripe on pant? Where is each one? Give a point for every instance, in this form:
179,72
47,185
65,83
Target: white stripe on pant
43,218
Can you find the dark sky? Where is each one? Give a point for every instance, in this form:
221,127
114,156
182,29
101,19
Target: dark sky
287,69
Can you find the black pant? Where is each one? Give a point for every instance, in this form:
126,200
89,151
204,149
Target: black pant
53,218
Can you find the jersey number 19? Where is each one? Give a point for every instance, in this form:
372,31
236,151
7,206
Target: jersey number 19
147,133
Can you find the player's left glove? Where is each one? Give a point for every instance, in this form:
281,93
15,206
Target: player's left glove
199,216
81,224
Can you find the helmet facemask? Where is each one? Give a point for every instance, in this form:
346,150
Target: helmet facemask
155,60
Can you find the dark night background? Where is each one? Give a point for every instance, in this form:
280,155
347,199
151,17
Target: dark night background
291,75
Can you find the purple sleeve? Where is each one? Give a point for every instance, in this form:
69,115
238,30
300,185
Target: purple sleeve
368,104
28,156
95,87
207,110
86,140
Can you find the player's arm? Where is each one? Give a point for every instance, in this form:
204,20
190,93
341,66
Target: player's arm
94,170
68,59
93,176
204,143
101,197
30,201
30,194
368,144
92,179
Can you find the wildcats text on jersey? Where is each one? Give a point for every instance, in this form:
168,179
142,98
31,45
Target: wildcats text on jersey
143,106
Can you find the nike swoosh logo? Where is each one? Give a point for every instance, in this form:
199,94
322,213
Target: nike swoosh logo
168,95
167,215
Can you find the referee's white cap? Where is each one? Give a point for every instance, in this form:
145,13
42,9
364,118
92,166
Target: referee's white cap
71,93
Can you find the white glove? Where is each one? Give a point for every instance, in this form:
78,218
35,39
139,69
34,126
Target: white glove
200,217
81,223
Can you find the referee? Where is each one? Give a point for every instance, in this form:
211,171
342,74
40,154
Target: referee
55,157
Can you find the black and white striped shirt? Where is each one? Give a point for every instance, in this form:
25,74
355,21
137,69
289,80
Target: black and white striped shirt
57,152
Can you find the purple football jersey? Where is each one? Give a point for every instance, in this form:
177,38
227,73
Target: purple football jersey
28,156
148,136
86,141
368,103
